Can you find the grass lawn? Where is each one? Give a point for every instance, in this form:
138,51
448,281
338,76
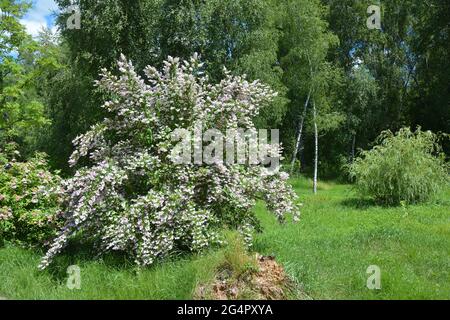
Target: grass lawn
329,252
327,255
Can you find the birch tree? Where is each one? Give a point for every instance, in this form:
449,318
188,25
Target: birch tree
327,113
308,75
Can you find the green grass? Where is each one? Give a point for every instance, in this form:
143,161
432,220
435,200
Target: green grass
174,279
339,236
327,254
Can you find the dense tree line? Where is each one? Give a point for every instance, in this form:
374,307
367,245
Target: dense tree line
340,83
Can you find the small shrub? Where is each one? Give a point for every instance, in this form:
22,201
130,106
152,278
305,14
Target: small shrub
28,199
406,167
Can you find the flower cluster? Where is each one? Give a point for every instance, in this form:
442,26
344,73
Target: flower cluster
29,200
134,198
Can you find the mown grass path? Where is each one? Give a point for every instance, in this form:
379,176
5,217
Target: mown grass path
327,254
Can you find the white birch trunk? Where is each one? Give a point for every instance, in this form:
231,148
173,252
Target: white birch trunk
316,148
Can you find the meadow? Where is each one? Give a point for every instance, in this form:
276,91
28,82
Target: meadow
326,255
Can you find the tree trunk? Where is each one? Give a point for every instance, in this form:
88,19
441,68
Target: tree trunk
300,131
353,147
316,147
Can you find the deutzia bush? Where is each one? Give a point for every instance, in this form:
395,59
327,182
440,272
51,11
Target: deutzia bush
134,198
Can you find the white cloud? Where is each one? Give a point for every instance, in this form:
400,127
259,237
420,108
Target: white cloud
37,16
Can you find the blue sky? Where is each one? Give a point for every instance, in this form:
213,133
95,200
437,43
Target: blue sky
39,16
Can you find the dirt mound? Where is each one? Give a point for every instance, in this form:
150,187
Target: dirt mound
267,282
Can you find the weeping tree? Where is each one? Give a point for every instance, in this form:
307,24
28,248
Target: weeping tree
404,167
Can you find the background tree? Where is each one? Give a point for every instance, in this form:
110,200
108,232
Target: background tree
429,89
21,111
305,44
402,79
360,106
149,31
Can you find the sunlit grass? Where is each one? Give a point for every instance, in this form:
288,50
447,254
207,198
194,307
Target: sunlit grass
339,236
326,254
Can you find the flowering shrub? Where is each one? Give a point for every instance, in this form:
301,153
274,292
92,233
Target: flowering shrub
134,198
28,199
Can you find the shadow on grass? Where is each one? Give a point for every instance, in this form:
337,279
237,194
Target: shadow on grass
82,254
367,203
360,203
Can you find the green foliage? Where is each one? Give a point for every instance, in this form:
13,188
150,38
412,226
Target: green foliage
429,93
361,103
304,46
405,64
405,167
242,35
47,99
28,199
23,61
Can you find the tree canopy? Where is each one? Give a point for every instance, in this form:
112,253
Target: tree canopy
330,70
